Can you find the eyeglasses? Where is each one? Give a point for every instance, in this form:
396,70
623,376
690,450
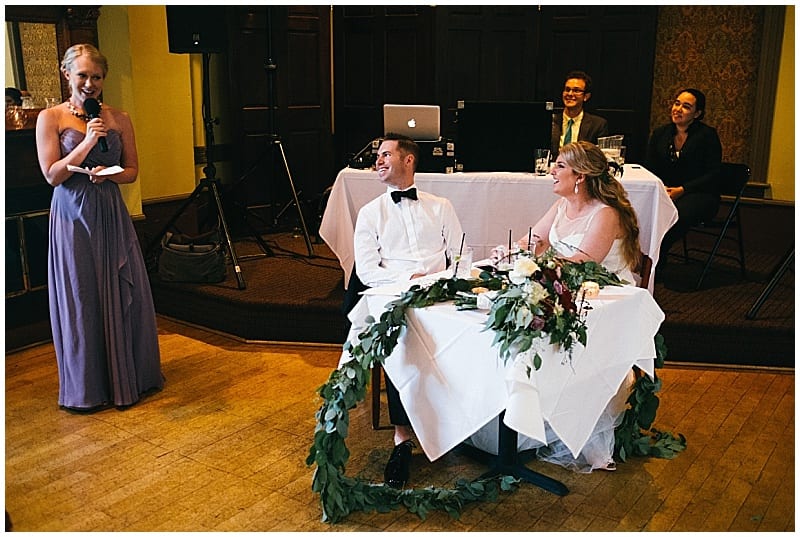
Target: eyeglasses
576,91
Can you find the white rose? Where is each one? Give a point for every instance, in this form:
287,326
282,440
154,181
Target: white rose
485,300
524,267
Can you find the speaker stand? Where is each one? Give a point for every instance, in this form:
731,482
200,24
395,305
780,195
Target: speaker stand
209,182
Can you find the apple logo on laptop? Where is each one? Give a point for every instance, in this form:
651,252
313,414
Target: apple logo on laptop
412,123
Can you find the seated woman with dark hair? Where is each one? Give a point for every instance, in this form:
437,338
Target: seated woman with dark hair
686,155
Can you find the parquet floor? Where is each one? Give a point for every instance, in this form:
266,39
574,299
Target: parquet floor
223,447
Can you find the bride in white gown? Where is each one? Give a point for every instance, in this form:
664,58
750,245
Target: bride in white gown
592,220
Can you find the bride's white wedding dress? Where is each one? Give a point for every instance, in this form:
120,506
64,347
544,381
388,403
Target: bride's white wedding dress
597,453
567,233
565,237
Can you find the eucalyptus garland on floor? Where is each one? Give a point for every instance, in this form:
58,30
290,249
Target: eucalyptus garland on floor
341,495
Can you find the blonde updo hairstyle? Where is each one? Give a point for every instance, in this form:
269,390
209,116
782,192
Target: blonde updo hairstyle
589,160
83,49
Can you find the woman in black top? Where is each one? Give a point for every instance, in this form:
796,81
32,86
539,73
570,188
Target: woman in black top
687,155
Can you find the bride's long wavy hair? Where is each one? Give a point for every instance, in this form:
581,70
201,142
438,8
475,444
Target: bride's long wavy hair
588,159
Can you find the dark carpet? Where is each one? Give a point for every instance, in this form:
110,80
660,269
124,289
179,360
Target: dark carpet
710,326
293,297
287,297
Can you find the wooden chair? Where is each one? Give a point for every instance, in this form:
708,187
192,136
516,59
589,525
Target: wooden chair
375,394
351,297
723,227
643,270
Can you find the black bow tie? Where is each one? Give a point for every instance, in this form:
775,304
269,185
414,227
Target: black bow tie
411,193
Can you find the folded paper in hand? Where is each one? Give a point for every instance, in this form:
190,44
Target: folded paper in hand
106,171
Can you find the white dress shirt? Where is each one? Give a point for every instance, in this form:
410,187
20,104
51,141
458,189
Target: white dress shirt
394,241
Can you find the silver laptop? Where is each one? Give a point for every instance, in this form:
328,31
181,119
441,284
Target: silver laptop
417,121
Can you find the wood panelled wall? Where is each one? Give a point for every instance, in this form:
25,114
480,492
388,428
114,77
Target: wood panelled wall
443,54
427,55
280,94
616,46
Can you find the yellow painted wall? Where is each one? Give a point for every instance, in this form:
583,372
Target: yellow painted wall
154,86
780,171
117,91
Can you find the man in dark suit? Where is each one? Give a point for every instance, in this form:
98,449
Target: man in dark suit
574,123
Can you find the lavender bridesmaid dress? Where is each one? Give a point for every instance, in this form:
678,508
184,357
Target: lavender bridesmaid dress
101,306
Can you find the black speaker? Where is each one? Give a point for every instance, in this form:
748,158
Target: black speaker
196,29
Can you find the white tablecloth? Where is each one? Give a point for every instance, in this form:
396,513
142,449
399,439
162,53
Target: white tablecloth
489,204
452,381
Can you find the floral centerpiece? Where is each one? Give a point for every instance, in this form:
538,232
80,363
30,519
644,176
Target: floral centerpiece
539,298
532,299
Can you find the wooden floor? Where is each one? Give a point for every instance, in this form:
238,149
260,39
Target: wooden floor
223,447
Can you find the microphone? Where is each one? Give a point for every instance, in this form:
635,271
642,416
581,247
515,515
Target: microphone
92,107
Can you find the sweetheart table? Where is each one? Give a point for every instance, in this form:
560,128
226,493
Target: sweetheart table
453,382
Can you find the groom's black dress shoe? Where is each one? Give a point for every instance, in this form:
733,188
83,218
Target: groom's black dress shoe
397,469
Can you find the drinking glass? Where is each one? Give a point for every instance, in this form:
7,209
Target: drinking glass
462,263
542,165
610,146
50,102
621,157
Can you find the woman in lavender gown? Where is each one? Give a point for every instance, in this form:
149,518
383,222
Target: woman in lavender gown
101,306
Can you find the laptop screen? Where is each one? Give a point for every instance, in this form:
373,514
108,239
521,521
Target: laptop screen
418,122
501,136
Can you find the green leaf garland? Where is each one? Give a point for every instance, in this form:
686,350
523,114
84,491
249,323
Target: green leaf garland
346,386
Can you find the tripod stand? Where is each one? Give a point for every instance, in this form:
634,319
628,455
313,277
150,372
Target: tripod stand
210,182
271,67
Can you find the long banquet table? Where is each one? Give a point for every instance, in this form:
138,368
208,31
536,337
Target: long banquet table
489,204
452,381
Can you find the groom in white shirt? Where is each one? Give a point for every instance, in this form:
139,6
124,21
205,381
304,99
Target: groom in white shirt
402,234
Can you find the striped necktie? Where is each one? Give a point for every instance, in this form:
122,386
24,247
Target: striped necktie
568,135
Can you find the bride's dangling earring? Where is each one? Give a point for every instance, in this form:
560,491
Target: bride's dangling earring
576,187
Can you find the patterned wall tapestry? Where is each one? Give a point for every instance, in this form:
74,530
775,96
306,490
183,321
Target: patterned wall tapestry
716,51
42,73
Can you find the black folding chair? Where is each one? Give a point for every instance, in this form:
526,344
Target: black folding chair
723,227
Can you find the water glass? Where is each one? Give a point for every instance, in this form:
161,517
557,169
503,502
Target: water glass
542,162
50,102
462,263
611,153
